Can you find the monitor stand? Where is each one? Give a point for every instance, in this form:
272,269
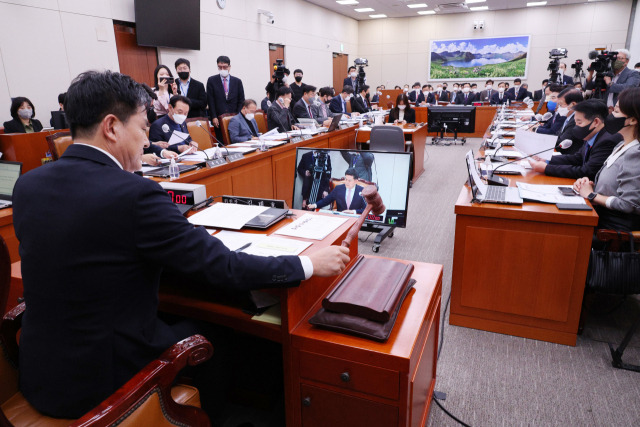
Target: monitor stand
383,231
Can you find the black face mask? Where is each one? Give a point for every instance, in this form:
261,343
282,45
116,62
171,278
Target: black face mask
613,124
581,132
298,79
184,75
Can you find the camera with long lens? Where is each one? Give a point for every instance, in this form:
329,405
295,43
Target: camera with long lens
360,63
602,65
279,70
554,65
578,66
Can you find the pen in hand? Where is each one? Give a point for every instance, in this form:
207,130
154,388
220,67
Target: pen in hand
243,247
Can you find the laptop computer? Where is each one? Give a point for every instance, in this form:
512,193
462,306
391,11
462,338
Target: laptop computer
9,174
489,193
335,123
59,120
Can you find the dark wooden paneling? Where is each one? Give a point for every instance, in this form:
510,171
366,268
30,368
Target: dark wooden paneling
135,61
340,65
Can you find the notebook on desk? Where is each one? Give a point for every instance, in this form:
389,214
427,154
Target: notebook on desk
9,174
489,193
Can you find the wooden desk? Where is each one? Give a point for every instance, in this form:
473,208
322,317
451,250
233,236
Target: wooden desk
484,117
520,270
28,148
388,384
417,134
269,174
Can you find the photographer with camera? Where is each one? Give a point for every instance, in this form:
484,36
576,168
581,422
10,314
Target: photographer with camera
612,75
164,88
279,78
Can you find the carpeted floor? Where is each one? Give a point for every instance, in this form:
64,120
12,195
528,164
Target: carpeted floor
498,380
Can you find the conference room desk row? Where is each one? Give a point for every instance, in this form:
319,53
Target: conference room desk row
520,269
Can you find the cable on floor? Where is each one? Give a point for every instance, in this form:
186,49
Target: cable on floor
444,316
449,413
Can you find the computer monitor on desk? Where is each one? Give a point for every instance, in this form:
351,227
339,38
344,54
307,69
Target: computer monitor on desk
457,118
321,171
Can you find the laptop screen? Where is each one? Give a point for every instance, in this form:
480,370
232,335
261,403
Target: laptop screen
477,186
9,174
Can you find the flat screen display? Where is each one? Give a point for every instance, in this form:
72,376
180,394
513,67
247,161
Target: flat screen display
168,23
332,179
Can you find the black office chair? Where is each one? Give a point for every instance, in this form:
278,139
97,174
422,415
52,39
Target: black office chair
387,138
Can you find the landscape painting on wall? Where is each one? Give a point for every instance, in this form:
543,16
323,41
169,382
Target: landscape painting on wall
479,58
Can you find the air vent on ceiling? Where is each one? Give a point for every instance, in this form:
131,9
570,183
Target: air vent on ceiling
451,7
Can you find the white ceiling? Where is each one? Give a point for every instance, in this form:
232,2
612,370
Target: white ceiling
399,8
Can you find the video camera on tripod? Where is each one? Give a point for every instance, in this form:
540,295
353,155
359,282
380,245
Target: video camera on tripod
360,63
279,71
602,65
555,55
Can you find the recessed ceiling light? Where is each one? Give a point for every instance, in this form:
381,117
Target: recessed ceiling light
381,15
536,3
474,1
346,2
476,8
427,12
365,9
417,5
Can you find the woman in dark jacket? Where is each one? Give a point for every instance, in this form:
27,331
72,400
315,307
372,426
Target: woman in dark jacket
22,111
402,112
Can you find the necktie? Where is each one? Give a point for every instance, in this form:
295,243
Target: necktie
465,97
309,108
324,110
226,86
344,106
500,97
349,197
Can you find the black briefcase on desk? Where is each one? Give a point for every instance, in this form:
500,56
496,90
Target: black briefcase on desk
366,300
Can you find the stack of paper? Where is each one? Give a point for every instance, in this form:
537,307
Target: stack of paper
532,143
315,227
547,194
260,244
227,215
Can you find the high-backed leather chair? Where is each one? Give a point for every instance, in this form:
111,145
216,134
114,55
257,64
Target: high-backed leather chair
261,118
58,143
224,127
198,134
387,138
147,399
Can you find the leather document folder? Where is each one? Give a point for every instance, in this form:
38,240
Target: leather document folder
371,289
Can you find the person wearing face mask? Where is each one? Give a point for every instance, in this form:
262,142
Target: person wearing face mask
339,103
352,77
272,87
487,93
22,111
405,89
320,109
376,96
413,93
539,94
598,144
517,92
500,96
304,107
297,86
243,127
360,103
279,116
623,78
225,93
191,88
426,97
402,113
563,79
525,88
615,191
465,97
175,121
553,126
474,89
567,99
441,93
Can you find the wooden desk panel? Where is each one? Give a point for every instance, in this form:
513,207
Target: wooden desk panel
28,148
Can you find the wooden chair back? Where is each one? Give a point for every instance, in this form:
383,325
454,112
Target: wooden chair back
224,127
58,143
198,134
261,119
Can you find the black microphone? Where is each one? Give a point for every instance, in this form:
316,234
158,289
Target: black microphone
499,180
219,144
593,54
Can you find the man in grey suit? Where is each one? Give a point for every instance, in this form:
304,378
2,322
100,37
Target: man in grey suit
623,78
303,109
487,93
321,111
243,126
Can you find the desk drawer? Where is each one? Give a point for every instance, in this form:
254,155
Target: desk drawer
350,375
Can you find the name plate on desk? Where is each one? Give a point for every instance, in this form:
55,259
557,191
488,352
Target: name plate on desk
216,162
234,157
254,201
296,139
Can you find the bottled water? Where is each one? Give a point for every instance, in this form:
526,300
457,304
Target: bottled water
174,171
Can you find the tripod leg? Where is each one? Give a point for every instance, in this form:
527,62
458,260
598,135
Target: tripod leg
616,354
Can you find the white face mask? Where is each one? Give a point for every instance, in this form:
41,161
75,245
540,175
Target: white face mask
179,118
284,80
25,113
455,88
500,89
466,89
249,116
406,89
562,111
402,107
379,93
425,93
516,87
474,90
489,87
353,75
224,73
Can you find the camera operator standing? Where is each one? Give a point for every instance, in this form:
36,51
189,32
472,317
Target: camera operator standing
621,79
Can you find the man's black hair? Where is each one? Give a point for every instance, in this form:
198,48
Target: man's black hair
556,88
284,90
517,81
326,91
180,61
297,70
347,89
308,88
351,172
592,108
179,98
351,68
223,59
571,95
93,95
364,88
61,98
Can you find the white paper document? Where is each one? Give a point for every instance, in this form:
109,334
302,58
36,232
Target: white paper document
511,154
234,240
314,227
513,168
531,143
227,215
547,194
261,244
177,137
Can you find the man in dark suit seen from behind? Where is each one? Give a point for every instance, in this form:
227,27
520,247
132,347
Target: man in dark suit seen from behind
352,78
598,144
91,286
567,100
162,129
346,196
304,107
517,92
360,102
191,88
465,97
225,93
623,78
279,115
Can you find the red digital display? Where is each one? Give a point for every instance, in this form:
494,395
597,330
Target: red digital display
181,197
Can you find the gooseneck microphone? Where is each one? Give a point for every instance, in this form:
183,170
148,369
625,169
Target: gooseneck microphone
166,129
498,180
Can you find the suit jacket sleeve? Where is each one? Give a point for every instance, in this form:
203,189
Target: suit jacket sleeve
628,194
633,80
211,100
198,96
13,126
331,197
572,166
335,105
299,110
240,95
235,130
361,204
169,240
156,134
410,115
553,128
